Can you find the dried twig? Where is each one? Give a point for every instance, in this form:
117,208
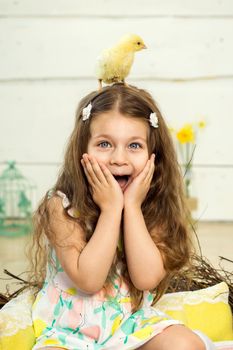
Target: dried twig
4,298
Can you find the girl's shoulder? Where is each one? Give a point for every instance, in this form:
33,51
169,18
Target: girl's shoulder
55,196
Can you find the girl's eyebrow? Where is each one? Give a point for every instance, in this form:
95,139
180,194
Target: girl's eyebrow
101,135
109,136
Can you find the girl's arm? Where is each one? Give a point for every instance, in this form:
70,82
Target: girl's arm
144,260
89,269
86,264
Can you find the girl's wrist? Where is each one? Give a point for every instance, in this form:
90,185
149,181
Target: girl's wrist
112,211
132,206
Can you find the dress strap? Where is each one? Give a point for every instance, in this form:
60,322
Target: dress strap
66,203
65,200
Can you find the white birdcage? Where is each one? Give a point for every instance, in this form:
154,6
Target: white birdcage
16,196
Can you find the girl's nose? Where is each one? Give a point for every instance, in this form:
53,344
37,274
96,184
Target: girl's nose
119,157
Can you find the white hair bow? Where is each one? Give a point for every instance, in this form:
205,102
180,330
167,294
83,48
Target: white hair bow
87,112
154,120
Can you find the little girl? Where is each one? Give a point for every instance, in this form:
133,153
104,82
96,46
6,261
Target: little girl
114,232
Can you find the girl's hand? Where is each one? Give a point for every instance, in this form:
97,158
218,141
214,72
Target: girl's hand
137,190
106,191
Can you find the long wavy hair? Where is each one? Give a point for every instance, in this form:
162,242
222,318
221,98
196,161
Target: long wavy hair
163,208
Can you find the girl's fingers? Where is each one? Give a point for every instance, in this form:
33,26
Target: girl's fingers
147,173
151,169
86,173
144,173
107,173
97,170
89,170
93,169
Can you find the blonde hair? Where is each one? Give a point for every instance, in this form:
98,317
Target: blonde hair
163,207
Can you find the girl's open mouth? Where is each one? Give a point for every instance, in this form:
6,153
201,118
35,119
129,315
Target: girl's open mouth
123,180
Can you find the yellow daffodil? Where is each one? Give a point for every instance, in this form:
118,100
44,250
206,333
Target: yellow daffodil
185,139
186,134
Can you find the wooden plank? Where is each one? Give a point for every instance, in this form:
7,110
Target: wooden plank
67,48
116,8
37,118
214,190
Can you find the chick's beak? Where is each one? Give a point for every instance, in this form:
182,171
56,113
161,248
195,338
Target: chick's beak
144,46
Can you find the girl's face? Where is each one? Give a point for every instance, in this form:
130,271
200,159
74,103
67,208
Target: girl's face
120,143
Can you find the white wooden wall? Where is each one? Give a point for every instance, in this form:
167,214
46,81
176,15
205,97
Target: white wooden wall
47,56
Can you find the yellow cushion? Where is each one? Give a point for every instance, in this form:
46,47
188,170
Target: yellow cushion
205,309
16,323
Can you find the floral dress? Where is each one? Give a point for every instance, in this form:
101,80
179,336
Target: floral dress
65,317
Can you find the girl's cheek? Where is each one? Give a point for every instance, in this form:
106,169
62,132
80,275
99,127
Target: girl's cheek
102,156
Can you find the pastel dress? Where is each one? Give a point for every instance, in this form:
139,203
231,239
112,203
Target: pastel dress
64,316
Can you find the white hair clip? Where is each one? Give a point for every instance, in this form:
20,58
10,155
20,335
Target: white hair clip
87,111
154,120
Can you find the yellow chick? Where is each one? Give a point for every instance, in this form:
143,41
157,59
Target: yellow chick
114,64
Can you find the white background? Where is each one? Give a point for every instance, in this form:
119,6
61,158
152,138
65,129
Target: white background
48,50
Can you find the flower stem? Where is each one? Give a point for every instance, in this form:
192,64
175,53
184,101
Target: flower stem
188,167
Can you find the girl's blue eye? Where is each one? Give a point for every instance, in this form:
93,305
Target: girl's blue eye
135,145
104,144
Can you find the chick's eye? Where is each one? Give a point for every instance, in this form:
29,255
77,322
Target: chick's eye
138,43
135,145
104,144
